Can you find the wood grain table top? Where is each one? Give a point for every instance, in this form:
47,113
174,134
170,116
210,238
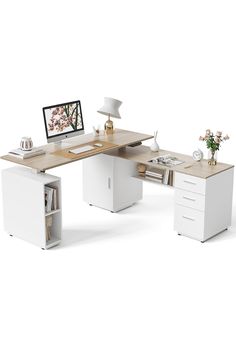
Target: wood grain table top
143,154
56,155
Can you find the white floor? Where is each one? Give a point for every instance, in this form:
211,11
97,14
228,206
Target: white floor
119,283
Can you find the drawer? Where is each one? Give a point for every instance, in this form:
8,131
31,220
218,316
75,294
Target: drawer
189,199
190,183
189,222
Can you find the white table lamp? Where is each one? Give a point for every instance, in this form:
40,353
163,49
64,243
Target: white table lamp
110,109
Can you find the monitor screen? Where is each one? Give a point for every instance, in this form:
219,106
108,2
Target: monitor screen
63,121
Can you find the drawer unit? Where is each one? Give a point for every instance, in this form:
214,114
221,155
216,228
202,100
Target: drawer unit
203,206
189,199
190,183
189,222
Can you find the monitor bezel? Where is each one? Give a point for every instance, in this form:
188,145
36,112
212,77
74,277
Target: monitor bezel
61,136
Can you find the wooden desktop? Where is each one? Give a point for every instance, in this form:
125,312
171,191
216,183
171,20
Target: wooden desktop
57,155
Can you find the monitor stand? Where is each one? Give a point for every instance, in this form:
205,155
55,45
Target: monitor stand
62,143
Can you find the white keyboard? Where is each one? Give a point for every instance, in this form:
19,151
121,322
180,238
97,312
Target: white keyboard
82,149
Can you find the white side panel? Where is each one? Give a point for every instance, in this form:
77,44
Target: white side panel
219,194
127,190
98,181
23,207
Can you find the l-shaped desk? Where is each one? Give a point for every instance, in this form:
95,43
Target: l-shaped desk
203,193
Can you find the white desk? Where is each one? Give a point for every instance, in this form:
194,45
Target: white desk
203,193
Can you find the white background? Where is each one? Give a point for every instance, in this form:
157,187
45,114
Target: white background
119,283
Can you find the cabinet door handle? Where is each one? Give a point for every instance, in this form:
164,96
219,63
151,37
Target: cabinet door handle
109,182
190,182
188,218
192,200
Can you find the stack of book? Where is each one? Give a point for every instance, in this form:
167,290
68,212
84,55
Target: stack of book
26,154
49,222
166,176
166,160
51,199
154,175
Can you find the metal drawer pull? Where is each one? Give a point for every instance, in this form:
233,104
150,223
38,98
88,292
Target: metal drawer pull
109,182
192,200
187,217
190,182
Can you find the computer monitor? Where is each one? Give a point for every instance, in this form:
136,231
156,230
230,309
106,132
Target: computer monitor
63,121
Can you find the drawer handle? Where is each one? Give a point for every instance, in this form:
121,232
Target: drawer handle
109,182
192,200
188,218
190,182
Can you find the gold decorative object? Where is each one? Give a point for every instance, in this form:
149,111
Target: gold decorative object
212,158
110,109
108,126
141,168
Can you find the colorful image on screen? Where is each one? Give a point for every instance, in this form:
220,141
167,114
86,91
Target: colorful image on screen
63,119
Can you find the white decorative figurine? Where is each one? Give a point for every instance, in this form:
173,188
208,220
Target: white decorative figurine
95,131
155,146
26,143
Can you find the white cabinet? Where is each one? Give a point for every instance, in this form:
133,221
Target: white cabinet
203,206
24,206
108,182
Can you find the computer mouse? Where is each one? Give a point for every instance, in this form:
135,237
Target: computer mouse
98,145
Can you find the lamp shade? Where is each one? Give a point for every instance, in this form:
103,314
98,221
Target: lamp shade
110,107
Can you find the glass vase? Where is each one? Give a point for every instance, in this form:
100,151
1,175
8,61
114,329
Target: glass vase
212,157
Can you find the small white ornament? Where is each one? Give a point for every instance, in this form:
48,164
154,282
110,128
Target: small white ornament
198,155
155,147
95,131
26,143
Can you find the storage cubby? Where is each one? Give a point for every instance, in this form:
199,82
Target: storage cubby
24,202
154,173
56,197
53,229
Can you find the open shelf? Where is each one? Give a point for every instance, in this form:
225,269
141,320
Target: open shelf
149,179
155,174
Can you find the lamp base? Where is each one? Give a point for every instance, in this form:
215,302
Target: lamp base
108,127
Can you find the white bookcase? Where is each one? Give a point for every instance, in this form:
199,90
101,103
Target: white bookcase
24,206
108,182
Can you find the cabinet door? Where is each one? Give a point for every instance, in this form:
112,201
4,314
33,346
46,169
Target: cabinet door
98,181
127,190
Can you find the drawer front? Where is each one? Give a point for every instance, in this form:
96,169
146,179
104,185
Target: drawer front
189,222
190,183
189,199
